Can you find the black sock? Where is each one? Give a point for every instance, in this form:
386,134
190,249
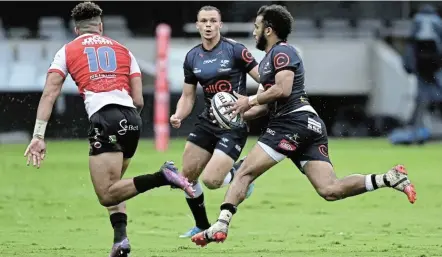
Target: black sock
146,182
119,223
199,211
230,207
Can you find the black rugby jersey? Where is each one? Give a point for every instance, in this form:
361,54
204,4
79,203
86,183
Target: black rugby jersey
283,56
222,69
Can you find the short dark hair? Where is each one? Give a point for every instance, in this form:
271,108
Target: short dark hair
209,8
278,18
86,11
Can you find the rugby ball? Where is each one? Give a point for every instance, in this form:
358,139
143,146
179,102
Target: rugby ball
225,120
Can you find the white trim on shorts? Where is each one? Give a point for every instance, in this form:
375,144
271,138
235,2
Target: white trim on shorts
277,157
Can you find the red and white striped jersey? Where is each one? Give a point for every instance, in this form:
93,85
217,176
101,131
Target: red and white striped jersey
101,68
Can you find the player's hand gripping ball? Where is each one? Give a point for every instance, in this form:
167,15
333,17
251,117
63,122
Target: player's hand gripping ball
225,119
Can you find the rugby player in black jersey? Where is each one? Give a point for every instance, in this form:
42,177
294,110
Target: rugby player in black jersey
294,130
218,64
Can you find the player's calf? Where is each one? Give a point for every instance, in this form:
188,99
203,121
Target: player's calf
328,186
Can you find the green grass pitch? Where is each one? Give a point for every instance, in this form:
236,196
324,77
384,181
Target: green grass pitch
53,212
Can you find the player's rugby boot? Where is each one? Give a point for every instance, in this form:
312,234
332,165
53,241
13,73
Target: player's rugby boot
397,178
216,233
121,249
177,180
251,186
193,231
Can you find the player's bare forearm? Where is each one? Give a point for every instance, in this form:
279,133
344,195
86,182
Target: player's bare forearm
254,73
51,91
186,102
184,106
256,112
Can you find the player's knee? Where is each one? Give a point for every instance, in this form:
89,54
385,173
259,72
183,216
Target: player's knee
330,193
107,199
190,173
212,183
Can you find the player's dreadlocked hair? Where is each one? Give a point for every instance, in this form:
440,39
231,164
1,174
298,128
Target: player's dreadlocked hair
210,8
87,16
278,18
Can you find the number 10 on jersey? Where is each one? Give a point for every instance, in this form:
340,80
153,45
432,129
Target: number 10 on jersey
101,59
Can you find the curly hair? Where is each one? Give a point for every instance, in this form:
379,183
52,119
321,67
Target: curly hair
86,11
278,18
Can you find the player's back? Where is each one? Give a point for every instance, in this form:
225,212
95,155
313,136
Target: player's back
101,68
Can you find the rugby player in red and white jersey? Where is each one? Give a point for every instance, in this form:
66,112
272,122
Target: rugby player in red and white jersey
109,79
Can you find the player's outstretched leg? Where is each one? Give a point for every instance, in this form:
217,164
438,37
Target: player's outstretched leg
331,188
105,171
257,162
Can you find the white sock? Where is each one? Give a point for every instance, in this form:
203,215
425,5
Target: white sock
368,184
227,179
378,179
225,215
198,190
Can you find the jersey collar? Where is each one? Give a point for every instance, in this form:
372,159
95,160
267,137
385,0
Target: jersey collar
217,44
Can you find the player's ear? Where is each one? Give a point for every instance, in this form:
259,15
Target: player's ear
268,31
220,24
77,32
101,27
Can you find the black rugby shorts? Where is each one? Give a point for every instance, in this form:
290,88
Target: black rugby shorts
114,128
210,137
301,136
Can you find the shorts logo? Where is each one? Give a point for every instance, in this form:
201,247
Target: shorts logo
323,149
223,145
237,147
192,134
286,145
97,145
225,140
125,127
270,131
314,126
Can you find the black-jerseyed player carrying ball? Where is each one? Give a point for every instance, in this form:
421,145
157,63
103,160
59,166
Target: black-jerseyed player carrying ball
109,79
294,130
218,65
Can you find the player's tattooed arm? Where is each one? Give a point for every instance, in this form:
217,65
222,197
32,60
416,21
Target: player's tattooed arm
51,91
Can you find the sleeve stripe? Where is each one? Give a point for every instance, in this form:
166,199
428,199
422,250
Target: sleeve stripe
57,71
136,74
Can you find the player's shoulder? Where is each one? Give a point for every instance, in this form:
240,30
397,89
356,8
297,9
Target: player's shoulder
232,43
284,47
193,51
